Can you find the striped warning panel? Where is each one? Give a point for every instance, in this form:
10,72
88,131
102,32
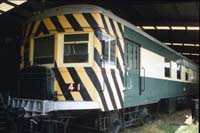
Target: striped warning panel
104,85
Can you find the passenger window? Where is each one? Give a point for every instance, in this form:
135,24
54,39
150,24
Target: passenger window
109,50
186,74
129,55
167,68
43,50
132,56
76,48
112,52
178,71
192,76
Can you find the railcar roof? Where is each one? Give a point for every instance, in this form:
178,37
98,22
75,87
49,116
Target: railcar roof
69,9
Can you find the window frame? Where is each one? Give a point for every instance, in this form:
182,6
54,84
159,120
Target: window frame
135,54
170,69
178,70
61,44
109,63
187,76
31,52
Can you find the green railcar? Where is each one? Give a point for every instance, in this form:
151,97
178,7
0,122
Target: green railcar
97,63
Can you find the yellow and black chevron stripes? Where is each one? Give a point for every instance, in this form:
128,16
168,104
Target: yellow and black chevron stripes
65,24
68,80
57,24
60,95
110,82
88,91
62,85
97,83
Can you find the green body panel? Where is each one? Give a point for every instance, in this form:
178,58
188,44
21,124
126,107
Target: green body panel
156,89
129,34
132,72
144,90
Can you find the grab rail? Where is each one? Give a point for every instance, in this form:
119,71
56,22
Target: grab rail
143,87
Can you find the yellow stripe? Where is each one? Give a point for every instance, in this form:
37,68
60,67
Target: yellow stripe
77,96
122,44
88,84
65,24
82,21
49,25
119,81
98,19
58,90
97,70
68,80
122,27
120,60
97,45
111,82
41,33
119,34
117,29
28,30
37,23
66,75
109,25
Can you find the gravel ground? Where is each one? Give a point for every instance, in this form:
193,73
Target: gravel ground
179,122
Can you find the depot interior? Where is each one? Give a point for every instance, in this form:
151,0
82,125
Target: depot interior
174,23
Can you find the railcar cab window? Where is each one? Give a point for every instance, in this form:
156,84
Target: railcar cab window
186,74
76,48
43,50
108,50
178,71
167,68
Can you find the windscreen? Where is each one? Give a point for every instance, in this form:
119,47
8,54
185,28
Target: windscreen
43,50
76,48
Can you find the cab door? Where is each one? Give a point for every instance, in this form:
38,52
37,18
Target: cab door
132,69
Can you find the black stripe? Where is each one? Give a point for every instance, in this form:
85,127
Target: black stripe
113,27
31,29
106,80
57,24
91,21
92,75
120,28
93,24
104,23
62,84
83,91
97,57
120,71
120,50
75,25
117,87
118,42
96,28
42,28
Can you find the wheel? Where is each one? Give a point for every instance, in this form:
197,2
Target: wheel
144,115
115,122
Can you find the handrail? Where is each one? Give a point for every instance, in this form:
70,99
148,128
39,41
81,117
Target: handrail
143,88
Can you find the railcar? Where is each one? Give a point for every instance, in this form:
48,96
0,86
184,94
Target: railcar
83,62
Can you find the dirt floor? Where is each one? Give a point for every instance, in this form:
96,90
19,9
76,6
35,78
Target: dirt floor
179,122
